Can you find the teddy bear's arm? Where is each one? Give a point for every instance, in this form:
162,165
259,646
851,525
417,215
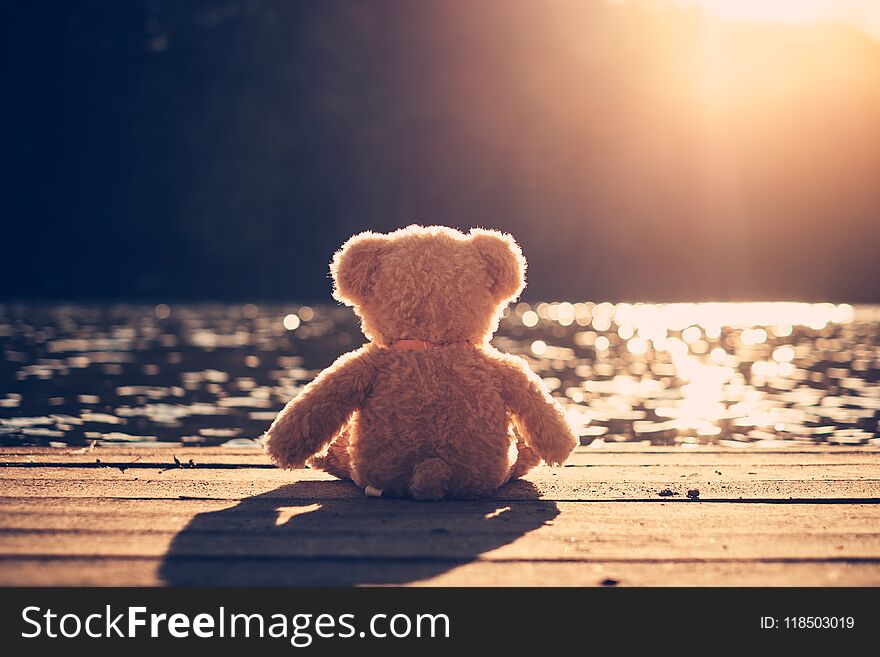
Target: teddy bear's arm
546,430
310,421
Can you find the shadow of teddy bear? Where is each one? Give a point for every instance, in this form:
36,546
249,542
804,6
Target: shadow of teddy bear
305,534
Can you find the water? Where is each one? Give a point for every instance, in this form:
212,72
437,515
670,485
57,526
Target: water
733,374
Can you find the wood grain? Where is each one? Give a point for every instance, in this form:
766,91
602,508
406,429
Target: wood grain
805,516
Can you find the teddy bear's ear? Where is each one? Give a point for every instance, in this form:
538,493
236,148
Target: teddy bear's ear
353,266
504,262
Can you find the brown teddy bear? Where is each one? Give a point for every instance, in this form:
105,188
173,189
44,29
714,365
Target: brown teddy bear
427,409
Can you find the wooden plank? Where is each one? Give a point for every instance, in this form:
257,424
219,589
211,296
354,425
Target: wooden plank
293,572
614,461
220,457
377,529
520,534
732,472
382,516
536,487
609,447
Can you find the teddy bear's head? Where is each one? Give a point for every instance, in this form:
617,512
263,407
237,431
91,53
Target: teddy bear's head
429,283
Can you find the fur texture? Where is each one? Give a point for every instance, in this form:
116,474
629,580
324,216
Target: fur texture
454,421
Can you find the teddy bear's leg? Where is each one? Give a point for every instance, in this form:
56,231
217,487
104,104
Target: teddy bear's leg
337,460
526,459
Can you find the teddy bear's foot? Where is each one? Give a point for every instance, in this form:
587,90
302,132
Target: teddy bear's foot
430,480
526,459
337,460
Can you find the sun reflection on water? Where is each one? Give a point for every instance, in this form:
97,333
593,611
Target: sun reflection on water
730,373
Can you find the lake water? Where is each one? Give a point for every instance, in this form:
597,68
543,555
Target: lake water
680,374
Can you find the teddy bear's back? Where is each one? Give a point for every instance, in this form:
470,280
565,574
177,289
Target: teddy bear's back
444,403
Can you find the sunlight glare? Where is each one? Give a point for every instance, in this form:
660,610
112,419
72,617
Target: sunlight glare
286,513
863,14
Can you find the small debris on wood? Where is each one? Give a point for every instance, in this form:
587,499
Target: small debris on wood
177,464
84,450
610,581
694,493
123,468
667,492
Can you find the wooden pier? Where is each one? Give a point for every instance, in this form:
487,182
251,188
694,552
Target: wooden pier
626,515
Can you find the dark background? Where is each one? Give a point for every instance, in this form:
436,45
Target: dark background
224,149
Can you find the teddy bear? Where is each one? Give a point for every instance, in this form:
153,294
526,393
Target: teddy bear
427,409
